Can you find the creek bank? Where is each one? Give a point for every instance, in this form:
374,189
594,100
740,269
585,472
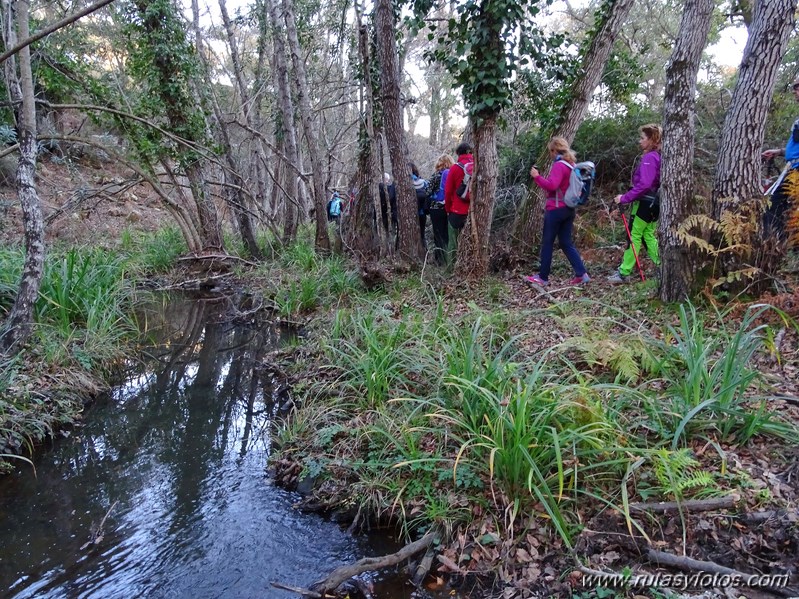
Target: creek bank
512,548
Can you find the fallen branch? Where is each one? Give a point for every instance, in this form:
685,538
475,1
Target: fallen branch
216,257
424,566
688,563
690,505
206,282
298,590
368,564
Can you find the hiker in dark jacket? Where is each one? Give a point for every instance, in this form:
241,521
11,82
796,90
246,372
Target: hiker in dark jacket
388,201
438,214
774,217
422,189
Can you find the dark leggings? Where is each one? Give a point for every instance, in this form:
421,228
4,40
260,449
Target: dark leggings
438,218
558,224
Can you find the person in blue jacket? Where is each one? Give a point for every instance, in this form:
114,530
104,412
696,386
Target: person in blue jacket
774,217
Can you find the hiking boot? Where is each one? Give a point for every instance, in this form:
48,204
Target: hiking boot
618,279
536,280
580,280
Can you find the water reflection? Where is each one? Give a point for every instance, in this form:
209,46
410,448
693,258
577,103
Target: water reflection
178,450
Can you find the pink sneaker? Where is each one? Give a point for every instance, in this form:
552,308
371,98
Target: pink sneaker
536,280
580,280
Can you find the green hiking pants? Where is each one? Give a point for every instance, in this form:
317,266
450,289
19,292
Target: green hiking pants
640,230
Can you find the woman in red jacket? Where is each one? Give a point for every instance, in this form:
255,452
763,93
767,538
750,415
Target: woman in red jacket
559,218
458,208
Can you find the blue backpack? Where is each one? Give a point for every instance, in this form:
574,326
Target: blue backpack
581,181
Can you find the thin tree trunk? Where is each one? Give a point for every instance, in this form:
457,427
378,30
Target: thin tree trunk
527,228
19,324
281,79
237,198
322,241
738,162
410,242
676,188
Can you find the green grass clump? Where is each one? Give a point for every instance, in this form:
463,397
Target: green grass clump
153,253
427,407
713,385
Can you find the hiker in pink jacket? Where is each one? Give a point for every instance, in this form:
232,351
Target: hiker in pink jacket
559,218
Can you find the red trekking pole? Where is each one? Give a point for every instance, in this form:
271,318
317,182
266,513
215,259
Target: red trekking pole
632,245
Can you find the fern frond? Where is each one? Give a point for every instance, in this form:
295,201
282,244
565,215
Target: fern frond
792,214
737,275
696,481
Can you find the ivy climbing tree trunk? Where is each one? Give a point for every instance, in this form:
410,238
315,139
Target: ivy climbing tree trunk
676,187
474,251
322,240
528,225
738,165
362,230
19,324
410,242
164,58
288,132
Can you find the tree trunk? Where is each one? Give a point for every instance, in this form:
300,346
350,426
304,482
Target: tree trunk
157,26
362,228
241,202
738,164
527,227
19,324
410,242
322,241
237,197
474,251
281,79
676,188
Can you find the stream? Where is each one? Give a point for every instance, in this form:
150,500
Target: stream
163,491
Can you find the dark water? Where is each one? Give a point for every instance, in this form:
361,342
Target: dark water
163,492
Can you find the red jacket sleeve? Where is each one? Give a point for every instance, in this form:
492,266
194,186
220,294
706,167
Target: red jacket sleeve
454,179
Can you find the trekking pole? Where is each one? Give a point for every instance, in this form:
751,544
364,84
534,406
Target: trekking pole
632,245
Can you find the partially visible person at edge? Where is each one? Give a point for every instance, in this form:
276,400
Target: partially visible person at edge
438,214
457,208
774,217
334,207
558,217
422,189
646,208
388,201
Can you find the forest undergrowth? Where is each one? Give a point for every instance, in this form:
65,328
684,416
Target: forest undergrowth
532,429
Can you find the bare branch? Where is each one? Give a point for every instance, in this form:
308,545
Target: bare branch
54,27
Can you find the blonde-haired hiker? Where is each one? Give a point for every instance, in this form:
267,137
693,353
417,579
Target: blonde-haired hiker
559,218
646,205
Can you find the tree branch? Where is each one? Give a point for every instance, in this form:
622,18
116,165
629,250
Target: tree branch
54,27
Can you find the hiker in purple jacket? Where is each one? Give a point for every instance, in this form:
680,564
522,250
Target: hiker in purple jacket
646,205
558,218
